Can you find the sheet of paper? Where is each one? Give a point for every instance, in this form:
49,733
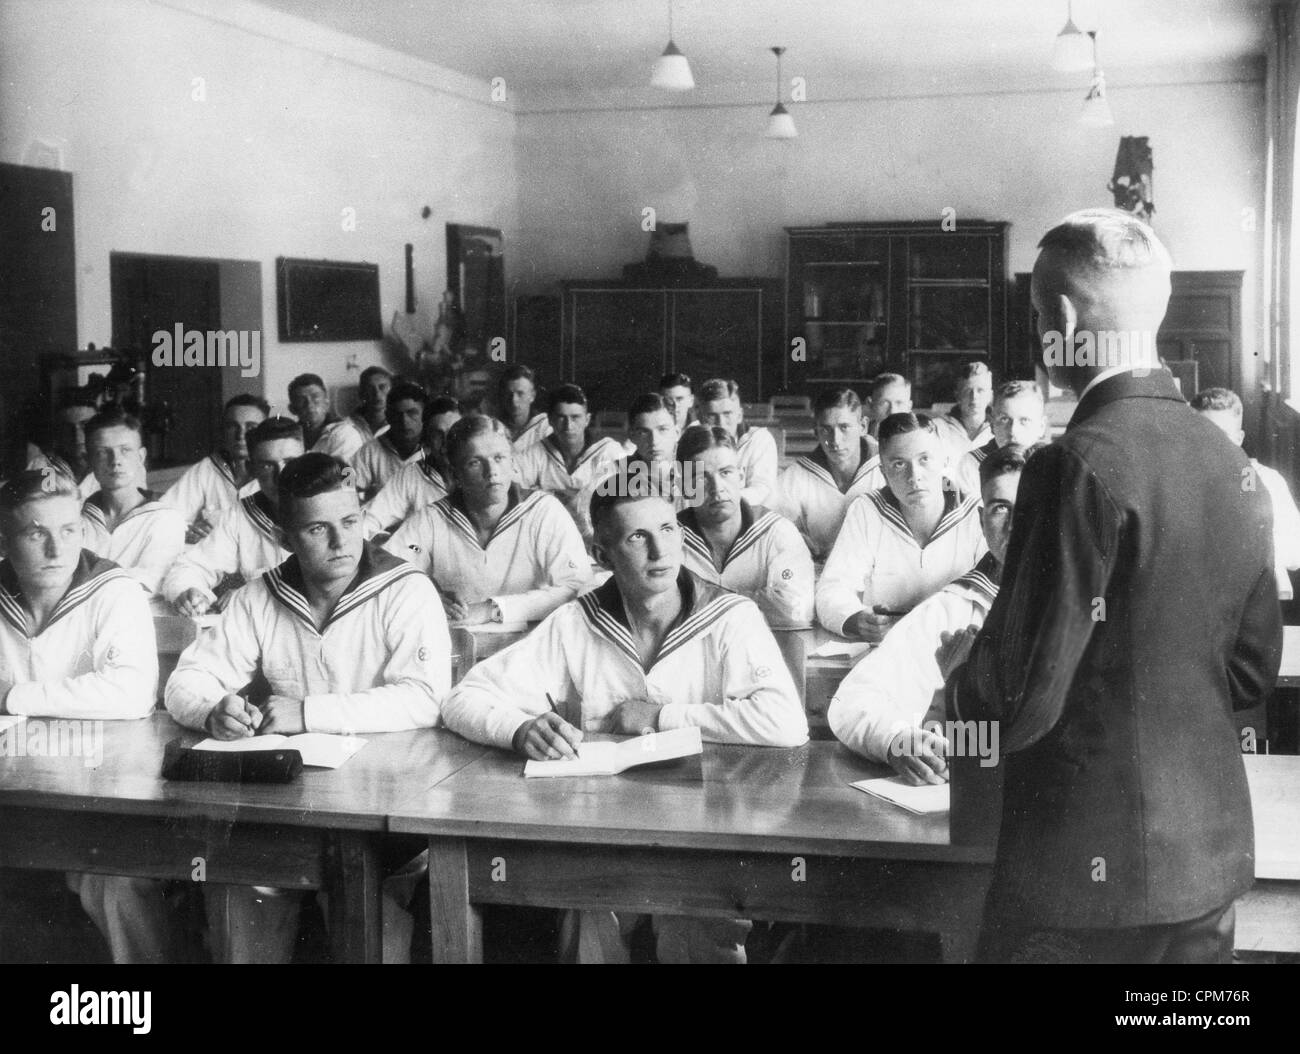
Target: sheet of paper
318,749
607,758
594,759
837,649
924,800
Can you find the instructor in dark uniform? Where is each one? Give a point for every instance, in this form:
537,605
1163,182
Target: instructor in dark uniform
1137,611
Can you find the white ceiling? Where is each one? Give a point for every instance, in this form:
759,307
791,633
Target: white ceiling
554,47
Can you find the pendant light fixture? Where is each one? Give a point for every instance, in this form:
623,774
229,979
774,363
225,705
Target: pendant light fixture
780,125
1071,52
671,71
1096,108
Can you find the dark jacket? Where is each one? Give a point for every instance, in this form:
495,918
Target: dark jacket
1137,610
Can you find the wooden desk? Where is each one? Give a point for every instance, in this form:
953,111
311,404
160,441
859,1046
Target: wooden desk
320,832
661,841
816,678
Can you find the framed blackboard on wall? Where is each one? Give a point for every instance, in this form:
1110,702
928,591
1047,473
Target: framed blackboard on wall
325,300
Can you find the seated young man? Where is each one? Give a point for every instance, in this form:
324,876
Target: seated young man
77,643
880,709
124,523
901,543
378,461
730,543
568,460
1017,416
349,639
816,491
420,482
496,553
891,393
679,397
966,426
720,407
653,648
370,418
208,488
246,540
322,429
516,394
1223,407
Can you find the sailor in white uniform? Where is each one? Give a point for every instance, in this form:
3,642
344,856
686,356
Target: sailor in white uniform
350,641
322,429
496,553
902,543
370,418
882,708
516,394
730,543
420,482
246,541
1017,416
77,643
377,461
125,524
209,487
720,407
966,426
815,492
653,648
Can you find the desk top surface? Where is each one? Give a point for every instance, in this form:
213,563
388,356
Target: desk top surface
359,795
1275,801
733,798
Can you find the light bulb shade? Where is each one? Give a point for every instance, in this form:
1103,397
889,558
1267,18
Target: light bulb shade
780,125
1073,50
1096,108
672,72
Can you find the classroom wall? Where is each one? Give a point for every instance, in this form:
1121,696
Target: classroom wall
298,124
1020,156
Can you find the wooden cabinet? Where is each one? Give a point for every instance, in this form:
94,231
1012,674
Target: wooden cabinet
617,339
908,297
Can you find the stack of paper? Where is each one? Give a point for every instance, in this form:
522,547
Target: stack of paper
924,800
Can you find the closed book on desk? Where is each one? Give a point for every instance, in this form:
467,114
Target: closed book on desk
318,749
608,759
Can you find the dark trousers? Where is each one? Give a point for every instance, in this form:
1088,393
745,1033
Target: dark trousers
1207,939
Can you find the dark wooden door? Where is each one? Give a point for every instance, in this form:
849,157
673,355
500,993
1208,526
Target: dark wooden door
718,333
152,293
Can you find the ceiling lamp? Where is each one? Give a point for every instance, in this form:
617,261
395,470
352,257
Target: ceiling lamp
1072,51
780,125
1096,109
672,72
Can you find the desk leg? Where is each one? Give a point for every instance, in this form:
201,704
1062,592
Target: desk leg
457,924
353,888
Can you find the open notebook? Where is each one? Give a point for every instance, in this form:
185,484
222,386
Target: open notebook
318,749
923,800
607,759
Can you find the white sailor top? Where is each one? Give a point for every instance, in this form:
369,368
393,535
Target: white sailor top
207,484
756,454
537,429
96,658
362,426
145,541
377,462
542,467
413,486
876,560
953,434
243,542
719,669
898,685
768,562
382,662
533,562
966,476
340,439
1286,527
808,496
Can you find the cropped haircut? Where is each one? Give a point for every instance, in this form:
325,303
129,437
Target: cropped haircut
977,368
888,380
247,399
566,393
307,476
467,428
35,485
373,371
674,380
1217,399
441,404
112,417
650,403
1103,240
517,372
272,429
695,441
1007,459
719,388
903,423
406,390
1014,389
306,380
835,399
628,482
